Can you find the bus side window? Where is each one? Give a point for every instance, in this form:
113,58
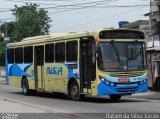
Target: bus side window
60,52
49,53
71,51
19,55
10,56
28,54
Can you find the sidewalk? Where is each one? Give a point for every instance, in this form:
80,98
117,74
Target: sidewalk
148,95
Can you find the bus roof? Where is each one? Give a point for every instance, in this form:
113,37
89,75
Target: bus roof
60,36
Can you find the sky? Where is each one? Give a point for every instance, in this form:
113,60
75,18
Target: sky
83,15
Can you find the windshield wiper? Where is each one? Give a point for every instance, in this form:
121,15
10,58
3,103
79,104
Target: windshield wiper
136,55
115,49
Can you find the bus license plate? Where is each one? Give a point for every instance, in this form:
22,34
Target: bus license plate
126,85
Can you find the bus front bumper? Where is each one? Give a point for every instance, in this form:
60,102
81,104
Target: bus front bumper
126,89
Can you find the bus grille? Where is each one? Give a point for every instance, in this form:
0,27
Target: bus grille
128,90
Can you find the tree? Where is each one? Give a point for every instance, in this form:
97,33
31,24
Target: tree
6,28
2,53
30,21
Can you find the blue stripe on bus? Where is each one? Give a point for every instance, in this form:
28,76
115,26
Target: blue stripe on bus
71,73
19,70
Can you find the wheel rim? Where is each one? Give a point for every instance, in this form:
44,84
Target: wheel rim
75,91
24,89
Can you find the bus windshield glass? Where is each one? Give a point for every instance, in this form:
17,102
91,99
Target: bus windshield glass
122,56
121,34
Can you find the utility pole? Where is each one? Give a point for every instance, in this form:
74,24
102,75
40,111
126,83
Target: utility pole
6,29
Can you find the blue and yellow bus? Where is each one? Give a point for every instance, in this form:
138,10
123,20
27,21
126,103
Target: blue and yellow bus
102,62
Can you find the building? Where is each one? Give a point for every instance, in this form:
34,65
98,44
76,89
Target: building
153,44
140,25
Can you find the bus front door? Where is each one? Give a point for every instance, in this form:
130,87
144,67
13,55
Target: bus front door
39,66
87,69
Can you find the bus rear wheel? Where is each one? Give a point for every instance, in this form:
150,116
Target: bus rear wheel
25,87
75,93
115,97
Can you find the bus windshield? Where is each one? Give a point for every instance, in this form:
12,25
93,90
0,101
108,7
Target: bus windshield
122,56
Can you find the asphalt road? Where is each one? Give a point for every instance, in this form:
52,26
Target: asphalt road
91,107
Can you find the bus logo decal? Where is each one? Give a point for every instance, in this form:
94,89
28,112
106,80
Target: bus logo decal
54,71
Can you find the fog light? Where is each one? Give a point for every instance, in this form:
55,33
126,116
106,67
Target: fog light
112,84
142,82
107,82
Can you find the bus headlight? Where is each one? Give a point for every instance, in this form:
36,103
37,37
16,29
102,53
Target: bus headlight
143,81
102,79
105,81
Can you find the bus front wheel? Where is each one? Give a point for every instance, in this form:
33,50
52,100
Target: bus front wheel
115,97
75,93
25,87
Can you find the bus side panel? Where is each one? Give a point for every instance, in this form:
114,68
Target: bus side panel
15,81
55,77
17,71
30,77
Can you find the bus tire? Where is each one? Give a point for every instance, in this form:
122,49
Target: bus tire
25,87
115,97
75,92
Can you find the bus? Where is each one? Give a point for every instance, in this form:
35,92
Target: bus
107,62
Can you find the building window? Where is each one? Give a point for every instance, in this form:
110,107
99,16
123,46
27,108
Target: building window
28,54
72,51
19,55
10,56
49,53
60,52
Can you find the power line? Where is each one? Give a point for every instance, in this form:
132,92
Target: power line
97,20
69,5
95,9
5,11
81,4
102,7
71,9
6,19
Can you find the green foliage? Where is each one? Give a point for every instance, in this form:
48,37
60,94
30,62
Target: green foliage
2,53
2,47
30,21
